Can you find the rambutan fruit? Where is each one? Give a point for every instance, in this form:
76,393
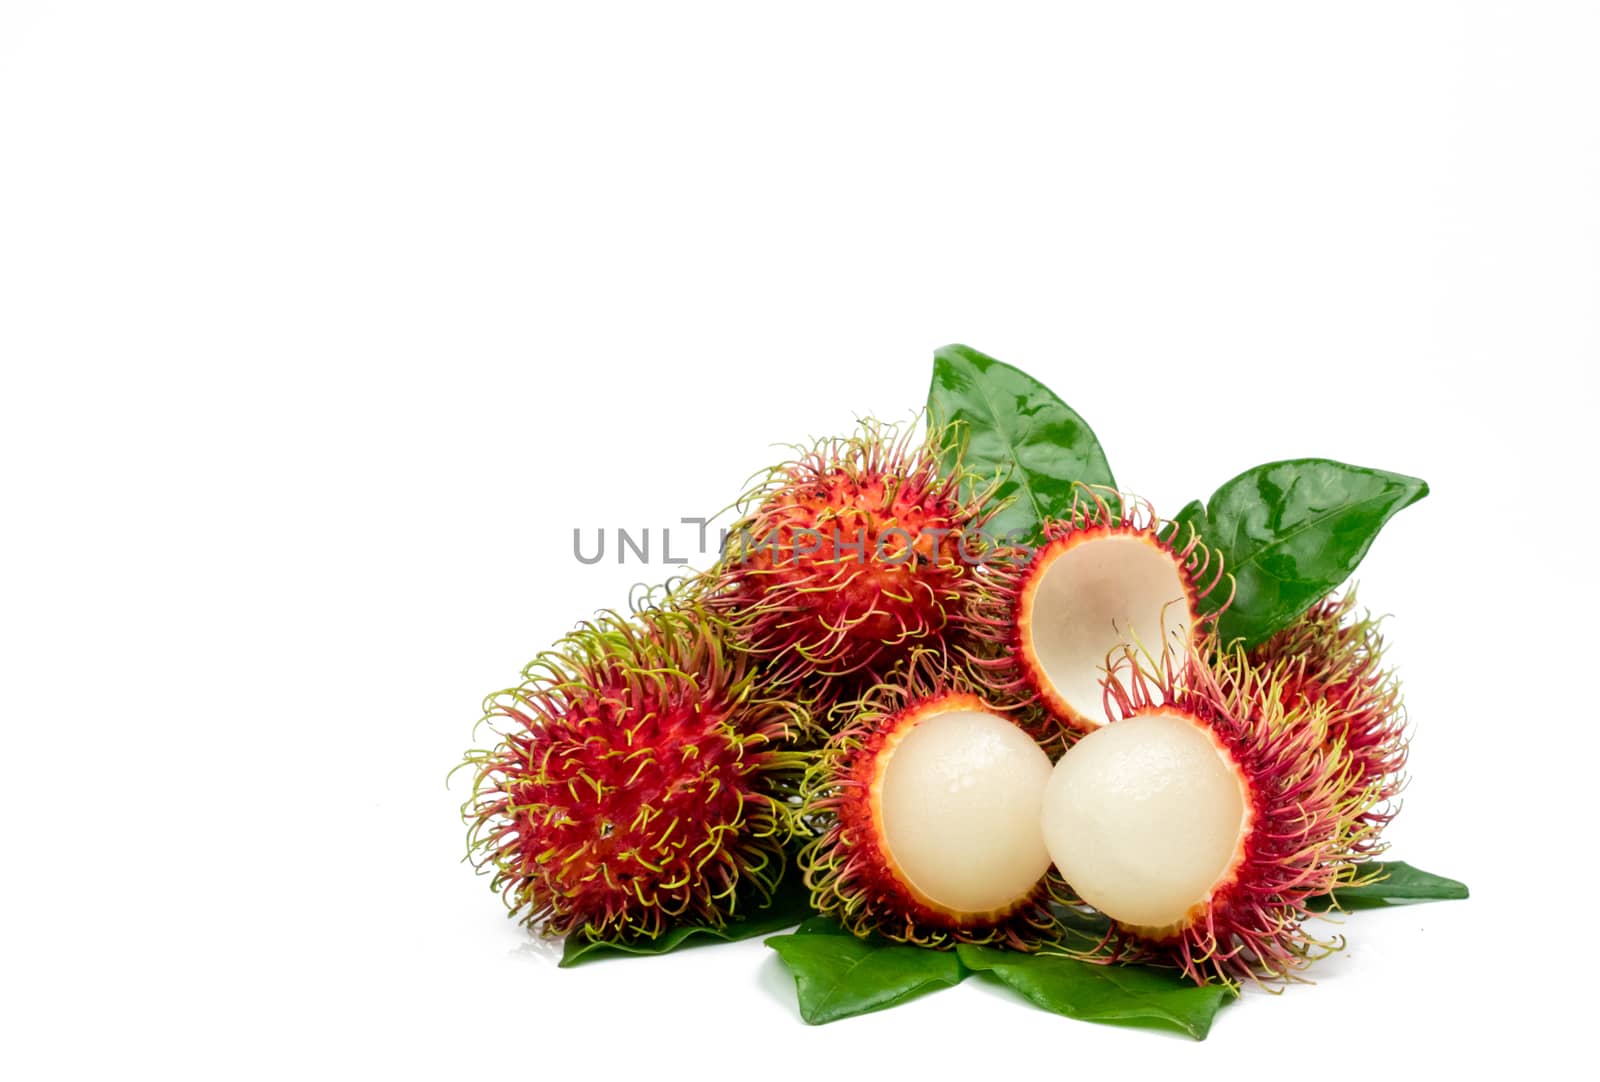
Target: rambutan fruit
1333,658
1202,819
927,803
849,557
639,781
1109,574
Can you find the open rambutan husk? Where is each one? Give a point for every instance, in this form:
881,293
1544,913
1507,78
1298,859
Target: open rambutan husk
854,870
640,780
1298,836
1108,574
849,557
1333,658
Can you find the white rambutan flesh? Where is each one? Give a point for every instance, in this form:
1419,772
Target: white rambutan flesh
959,804
1145,818
925,807
1095,595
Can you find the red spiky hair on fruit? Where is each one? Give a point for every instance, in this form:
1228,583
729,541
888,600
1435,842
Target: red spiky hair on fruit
640,781
848,866
1333,658
858,551
1299,832
1051,614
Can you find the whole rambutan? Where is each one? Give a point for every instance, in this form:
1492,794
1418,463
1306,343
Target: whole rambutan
1109,574
847,558
926,805
1333,658
639,781
1203,819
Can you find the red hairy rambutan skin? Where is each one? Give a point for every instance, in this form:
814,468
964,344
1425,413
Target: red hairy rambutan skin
1332,658
1297,841
639,781
850,556
851,874
1008,669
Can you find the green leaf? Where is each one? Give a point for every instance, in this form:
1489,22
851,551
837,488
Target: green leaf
1018,430
837,975
1401,885
1117,995
1292,531
817,925
1080,922
790,905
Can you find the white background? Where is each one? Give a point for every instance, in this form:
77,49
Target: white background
323,324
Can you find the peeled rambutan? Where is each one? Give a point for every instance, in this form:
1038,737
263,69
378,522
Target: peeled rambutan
1203,819
640,781
1332,658
1109,574
849,557
926,803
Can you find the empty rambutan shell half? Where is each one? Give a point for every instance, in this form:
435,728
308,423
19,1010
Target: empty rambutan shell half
1110,574
928,809
1203,819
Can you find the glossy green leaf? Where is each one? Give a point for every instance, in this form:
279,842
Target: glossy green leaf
837,975
1401,885
1117,995
1291,531
819,925
789,907
1080,923
1018,430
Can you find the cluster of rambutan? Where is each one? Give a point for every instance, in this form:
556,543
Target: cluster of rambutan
950,736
